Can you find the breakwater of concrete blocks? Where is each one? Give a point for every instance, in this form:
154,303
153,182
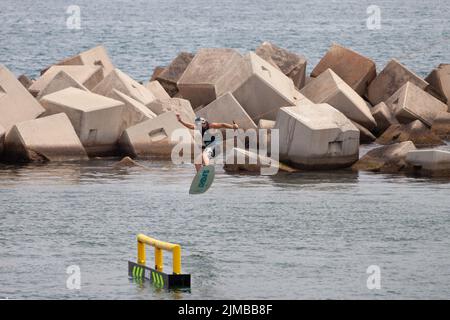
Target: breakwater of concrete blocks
83,107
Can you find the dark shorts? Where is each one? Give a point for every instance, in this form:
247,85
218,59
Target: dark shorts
210,150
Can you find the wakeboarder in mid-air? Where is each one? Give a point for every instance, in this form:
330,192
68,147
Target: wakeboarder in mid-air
205,172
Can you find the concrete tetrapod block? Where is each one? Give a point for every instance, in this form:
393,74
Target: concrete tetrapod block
392,78
416,131
384,117
97,120
329,88
157,89
134,112
96,56
151,138
206,76
88,76
127,162
227,109
50,138
177,105
2,139
120,81
156,72
266,136
441,125
429,160
266,124
368,104
317,137
300,99
439,79
356,70
387,159
169,76
25,81
411,103
291,64
252,162
16,103
365,136
61,81
260,88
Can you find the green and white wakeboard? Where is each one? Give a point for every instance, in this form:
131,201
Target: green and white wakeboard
202,180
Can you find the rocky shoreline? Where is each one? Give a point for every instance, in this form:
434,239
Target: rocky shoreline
83,107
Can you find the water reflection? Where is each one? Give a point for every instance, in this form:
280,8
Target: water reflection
312,177
160,293
100,171
105,171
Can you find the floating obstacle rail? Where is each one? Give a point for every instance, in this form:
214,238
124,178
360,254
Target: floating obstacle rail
157,276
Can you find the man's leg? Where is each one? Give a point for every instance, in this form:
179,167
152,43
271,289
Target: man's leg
198,162
205,157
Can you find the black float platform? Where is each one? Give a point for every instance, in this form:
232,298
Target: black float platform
157,278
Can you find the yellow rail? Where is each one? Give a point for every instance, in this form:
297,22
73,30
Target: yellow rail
159,246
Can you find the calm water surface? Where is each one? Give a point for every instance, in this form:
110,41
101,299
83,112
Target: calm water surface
305,235
142,34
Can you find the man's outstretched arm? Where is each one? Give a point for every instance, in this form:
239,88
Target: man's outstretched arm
186,124
220,125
